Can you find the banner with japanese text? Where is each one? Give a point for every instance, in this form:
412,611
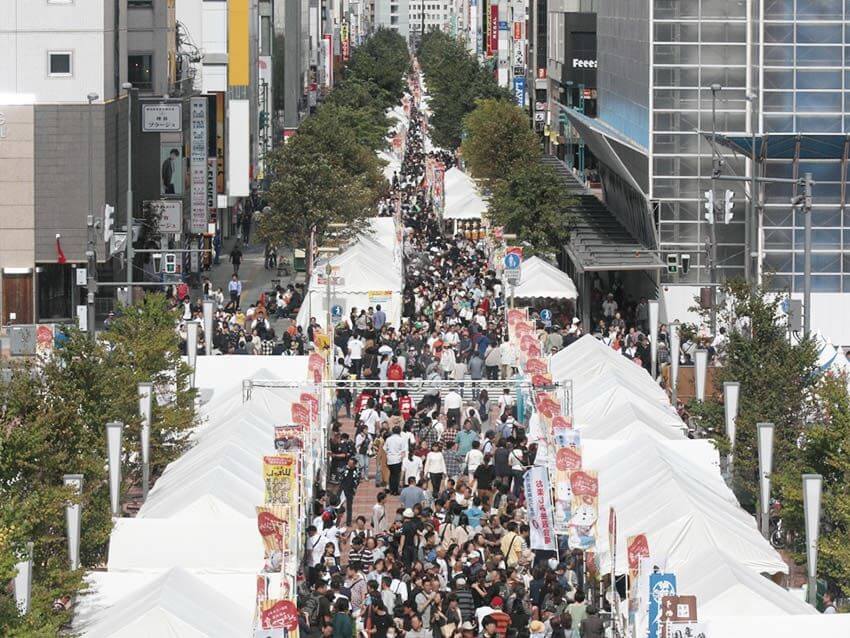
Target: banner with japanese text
567,444
274,530
538,499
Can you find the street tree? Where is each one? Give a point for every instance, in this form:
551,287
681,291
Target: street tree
533,202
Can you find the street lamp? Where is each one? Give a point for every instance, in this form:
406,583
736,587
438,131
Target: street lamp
700,372
715,172
731,393
91,253
114,433
765,450
73,515
812,487
145,391
675,340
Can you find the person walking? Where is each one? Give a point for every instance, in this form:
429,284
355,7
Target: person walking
435,468
234,287
396,449
348,481
236,257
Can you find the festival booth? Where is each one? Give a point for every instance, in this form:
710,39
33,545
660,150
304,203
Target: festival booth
541,280
174,603
366,273
235,502
462,202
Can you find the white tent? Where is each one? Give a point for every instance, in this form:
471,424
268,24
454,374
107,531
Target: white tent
469,206
749,625
367,273
628,422
539,278
456,181
226,372
175,604
684,508
611,400
194,541
393,164
589,360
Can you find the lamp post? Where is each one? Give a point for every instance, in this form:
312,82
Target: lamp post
145,405
114,433
812,488
765,450
208,326
675,340
731,393
91,251
700,372
192,348
715,172
23,581
330,250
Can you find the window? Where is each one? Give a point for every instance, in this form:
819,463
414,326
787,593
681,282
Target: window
139,4
59,64
139,71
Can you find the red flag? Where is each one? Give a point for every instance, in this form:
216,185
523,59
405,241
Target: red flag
60,256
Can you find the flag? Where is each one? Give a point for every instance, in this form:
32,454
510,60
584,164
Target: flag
60,256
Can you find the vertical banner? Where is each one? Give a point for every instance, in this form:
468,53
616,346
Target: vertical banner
637,547
289,437
538,499
315,368
344,41
280,476
493,29
661,585
567,460
199,205
279,614
519,90
219,144
273,527
584,511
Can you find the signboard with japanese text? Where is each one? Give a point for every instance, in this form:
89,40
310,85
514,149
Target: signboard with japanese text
661,585
199,206
538,498
170,214
158,118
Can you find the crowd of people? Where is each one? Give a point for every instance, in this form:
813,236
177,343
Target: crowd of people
444,552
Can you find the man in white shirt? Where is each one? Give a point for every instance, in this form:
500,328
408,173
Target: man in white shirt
507,356
315,545
474,458
369,417
609,307
396,449
453,402
355,351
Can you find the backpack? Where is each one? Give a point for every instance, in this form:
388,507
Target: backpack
364,446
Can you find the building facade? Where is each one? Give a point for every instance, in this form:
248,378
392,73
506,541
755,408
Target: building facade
770,75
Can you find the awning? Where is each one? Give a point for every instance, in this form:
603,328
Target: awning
541,279
788,146
598,240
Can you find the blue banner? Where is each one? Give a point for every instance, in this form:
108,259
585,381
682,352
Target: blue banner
660,585
519,90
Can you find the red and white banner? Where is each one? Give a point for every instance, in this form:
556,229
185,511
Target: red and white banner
493,30
584,512
538,499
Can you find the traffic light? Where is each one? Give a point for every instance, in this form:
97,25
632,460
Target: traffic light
672,263
727,206
709,206
170,267
264,119
108,222
686,264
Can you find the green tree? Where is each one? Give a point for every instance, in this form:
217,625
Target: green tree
776,379
498,141
455,80
53,422
383,60
534,203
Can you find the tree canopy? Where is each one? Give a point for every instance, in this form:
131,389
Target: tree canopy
455,80
533,202
52,422
498,140
328,173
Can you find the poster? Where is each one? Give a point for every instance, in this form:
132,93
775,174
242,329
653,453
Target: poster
274,530
315,367
312,402
300,414
171,168
661,585
380,296
538,498
280,476
288,437
279,614
584,510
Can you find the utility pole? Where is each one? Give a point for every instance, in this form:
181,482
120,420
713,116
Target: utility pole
91,252
716,163
804,201
129,88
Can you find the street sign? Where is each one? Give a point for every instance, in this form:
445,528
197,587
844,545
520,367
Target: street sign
513,264
170,214
336,314
162,117
82,276
546,316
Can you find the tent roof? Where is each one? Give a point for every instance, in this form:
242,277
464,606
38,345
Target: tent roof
609,401
683,507
469,206
176,603
226,372
208,543
746,626
539,278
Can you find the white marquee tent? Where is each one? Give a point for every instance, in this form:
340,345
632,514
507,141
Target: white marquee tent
539,278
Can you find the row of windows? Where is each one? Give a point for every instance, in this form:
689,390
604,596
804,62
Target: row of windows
773,9
60,64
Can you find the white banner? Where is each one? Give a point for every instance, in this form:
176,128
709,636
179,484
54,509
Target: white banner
538,498
198,165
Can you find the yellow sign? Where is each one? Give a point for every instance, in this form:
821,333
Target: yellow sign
380,296
238,38
280,475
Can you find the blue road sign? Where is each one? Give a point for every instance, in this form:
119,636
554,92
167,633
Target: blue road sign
546,314
512,261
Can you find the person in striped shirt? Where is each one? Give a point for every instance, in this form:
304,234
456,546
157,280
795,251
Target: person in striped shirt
359,554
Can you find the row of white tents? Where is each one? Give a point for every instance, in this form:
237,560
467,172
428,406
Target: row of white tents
187,564
669,487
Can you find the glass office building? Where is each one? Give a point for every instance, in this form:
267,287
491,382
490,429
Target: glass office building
784,71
